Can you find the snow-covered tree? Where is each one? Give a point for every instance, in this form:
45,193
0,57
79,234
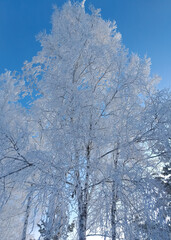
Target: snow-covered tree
87,148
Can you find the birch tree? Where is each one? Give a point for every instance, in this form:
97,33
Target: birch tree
13,164
88,144
90,90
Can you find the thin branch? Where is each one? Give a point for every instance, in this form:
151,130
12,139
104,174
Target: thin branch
16,171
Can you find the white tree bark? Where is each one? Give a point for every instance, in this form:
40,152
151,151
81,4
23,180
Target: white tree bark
114,196
24,234
84,198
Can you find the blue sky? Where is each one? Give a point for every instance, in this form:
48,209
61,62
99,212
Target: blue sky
145,26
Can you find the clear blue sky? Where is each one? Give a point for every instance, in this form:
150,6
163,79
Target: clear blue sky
145,26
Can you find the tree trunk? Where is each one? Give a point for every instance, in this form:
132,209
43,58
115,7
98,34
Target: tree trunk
83,199
113,211
26,219
114,195
82,222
